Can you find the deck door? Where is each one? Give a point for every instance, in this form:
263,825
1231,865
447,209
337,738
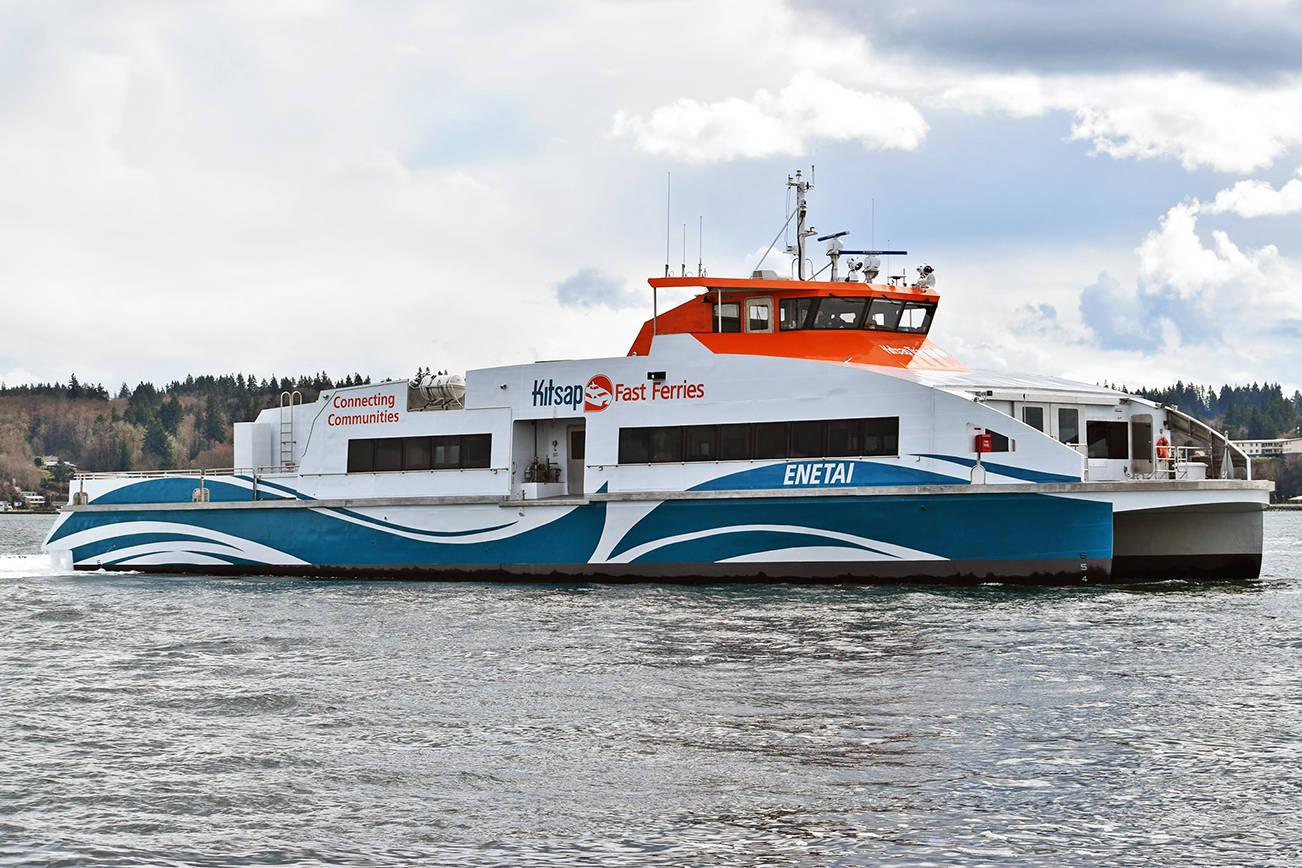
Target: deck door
574,459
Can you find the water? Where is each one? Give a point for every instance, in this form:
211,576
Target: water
219,721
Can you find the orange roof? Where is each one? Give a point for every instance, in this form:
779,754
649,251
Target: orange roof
854,346
785,288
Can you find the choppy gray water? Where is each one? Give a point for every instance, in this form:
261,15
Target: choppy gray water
217,721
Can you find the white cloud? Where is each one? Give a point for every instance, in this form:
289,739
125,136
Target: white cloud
1174,256
1189,117
810,108
1254,198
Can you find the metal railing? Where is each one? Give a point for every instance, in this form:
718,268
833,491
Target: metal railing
1178,461
196,472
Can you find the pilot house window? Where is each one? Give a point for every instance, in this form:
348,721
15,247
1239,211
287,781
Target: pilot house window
840,313
726,317
835,312
793,313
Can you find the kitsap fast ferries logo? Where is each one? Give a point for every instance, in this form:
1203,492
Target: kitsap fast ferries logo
600,392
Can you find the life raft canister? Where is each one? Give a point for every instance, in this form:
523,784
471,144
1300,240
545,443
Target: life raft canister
1163,449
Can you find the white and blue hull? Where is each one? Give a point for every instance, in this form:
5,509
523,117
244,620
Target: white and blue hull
1048,533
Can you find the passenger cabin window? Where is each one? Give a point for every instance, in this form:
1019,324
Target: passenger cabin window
759,315
1068,425
446,452
1108,439
1034,416
726,317
831,438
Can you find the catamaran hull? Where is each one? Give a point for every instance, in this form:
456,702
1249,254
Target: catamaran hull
1022,536
1198,541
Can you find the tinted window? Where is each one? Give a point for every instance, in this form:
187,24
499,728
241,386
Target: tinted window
476,450
771,440
840,313
634,445
734,442
700,443
361,456
1107,439
844,437
388,453
1034,416
762,440
999,442
455,451
806,440
881,436
793,313
447,452
415,453
666,444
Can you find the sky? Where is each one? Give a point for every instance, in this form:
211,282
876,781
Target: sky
1107,193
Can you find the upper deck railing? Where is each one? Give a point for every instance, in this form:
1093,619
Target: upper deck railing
272,470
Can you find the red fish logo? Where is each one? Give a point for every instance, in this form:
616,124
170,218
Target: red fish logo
598,394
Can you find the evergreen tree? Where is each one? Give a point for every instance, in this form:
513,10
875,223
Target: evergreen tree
170,415
214,423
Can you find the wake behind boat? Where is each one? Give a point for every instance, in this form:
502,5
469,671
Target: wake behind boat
771,428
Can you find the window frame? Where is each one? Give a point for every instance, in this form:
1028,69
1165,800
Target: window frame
930,312
760,301
1076,426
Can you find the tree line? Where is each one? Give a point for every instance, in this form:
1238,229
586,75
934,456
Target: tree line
185,423
1255,412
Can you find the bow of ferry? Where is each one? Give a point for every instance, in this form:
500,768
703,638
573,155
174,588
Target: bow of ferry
766,429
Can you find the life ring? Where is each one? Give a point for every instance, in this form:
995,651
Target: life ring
1163,449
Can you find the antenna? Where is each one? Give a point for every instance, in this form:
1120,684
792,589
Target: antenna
683,265
700,249
668,182
800,186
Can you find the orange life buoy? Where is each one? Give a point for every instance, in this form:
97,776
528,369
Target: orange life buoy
1163,448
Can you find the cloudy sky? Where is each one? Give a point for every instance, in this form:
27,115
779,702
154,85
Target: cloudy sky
278,187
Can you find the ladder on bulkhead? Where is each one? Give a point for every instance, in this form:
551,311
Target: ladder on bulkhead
288,401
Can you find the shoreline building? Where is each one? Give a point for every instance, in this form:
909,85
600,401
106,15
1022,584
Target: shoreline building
1270,448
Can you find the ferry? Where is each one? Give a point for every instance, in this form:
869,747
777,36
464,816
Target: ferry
792,428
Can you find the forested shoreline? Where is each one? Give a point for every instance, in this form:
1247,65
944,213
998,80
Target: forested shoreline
187,423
